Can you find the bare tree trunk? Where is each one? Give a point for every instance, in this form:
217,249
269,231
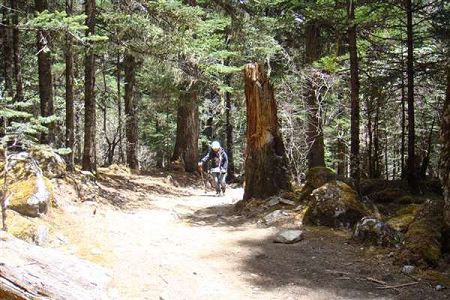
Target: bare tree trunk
229,130
186,144
354,84
445,154
89,152
403,123
119,110
426,159
131,118
16,50
376,143
45,74
7,50
70,115
266,171
314,134
411,164
370,137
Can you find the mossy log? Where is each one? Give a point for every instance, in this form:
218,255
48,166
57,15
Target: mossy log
32,272
422,243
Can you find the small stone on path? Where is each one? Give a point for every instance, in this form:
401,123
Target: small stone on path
289,236
408,269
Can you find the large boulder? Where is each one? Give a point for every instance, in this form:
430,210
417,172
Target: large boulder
29,192
50,162
373,231
423,240
318,176
334,204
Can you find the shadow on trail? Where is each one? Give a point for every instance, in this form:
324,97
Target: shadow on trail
135,191
223,215
324,263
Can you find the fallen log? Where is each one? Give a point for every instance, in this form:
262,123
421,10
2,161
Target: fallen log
31,272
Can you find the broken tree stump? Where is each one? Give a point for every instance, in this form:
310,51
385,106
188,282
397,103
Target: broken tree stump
265,162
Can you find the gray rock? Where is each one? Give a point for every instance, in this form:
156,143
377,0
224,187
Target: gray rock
373,231
408,269
273,201
275,216
289,236
286,201
41,235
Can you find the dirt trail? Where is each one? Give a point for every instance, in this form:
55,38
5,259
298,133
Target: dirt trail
175,243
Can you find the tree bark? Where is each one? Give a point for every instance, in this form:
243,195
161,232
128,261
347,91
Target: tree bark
45,74
186,144
131,123
445,154
32,272
229,131
411,163
89,151
70,114
119,110
266,171
403,123
314,133
355,172
16,50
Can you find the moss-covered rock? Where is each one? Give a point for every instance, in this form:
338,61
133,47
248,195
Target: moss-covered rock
318,176
376,232
403,217
21,227
50,162
334,204
29,192
30,197
422,243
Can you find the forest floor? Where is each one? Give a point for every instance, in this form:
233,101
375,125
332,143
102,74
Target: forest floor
165,238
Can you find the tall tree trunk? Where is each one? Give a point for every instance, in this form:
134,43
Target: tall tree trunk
445,155
119,109
354,87
376,143
45,74
411,164
7,50
186,144
16,50
131,123
188,131
70,115
403,123
426,158
89,151
266,171
314,134
229,130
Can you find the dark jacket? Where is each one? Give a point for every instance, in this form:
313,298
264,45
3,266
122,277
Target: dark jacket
219,158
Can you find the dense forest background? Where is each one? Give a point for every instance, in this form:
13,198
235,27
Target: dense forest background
360,85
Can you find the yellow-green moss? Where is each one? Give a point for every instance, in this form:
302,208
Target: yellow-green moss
403,217
422,244
21,191
318,176
21,227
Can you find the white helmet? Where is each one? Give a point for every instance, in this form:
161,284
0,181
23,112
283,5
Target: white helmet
215,145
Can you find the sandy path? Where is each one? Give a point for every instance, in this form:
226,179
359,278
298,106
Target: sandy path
190,247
